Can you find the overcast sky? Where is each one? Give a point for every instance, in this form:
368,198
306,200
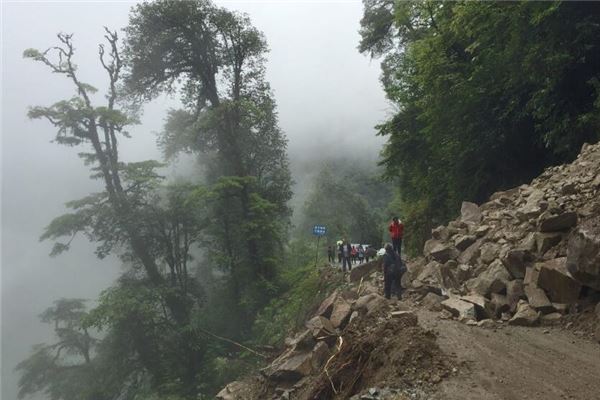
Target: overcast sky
328,95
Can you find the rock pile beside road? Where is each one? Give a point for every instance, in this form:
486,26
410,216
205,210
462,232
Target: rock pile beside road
528,256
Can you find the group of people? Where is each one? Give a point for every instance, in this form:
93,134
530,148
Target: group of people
348,254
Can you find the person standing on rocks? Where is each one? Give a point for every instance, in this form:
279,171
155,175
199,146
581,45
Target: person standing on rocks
392,272
396,229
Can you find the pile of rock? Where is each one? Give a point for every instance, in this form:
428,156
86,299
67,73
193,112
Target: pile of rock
307,352
528,255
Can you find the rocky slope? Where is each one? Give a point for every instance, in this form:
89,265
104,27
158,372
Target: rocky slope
529,256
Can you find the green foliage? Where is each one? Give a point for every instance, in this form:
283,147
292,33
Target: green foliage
488,94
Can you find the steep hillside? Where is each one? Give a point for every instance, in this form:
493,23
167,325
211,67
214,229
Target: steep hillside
530,256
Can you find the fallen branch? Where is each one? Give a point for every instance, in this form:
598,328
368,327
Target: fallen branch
339,344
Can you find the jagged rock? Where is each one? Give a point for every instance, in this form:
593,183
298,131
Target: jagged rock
514,293
483,307
459,308
531,209
326,306
560,222
538,300
340,313
470,212
463,272
235,390
461,242
505,193
556,280
430,274
489,252
481,230
363,270
442,253
515,261
492,280
471,254
440,233
432,301
499,304
430,245
291,367
448,274
303,341
583,254
320,327
545,241
525,315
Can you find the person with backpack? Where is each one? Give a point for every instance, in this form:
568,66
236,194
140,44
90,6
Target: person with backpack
396,229
393,268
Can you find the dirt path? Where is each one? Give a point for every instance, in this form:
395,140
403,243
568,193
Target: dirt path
515,362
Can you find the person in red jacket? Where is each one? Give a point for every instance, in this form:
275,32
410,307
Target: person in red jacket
396,229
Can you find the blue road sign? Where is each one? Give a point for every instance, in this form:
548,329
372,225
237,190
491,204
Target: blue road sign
319,230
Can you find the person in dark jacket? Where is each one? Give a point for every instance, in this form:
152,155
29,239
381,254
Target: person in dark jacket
392,272
346,256
331,254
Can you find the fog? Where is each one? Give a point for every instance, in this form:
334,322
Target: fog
328,95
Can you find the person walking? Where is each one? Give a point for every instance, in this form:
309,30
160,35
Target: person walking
396,229
361,254
392,272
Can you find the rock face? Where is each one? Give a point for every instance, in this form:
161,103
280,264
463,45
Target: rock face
583,256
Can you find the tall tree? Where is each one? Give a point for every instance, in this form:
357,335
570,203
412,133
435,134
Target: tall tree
488,93
215,59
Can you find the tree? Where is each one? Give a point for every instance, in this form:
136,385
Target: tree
488,94
149,227
215,59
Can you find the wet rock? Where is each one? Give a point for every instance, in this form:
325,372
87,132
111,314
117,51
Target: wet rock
583,254
558,283
470,212
560,222
525,315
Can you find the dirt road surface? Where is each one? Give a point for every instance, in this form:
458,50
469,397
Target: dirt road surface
515,362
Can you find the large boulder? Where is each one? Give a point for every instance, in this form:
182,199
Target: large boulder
363,270
430,275
499,304
470,212
326,306
546,241
553,223
515,292
525,315
369,303
515,262
432,301
492,280
340,313
555,279
292,366
462,242
471,253
538,300
583,253
459,308
489,252
443,252
483,307
320,327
